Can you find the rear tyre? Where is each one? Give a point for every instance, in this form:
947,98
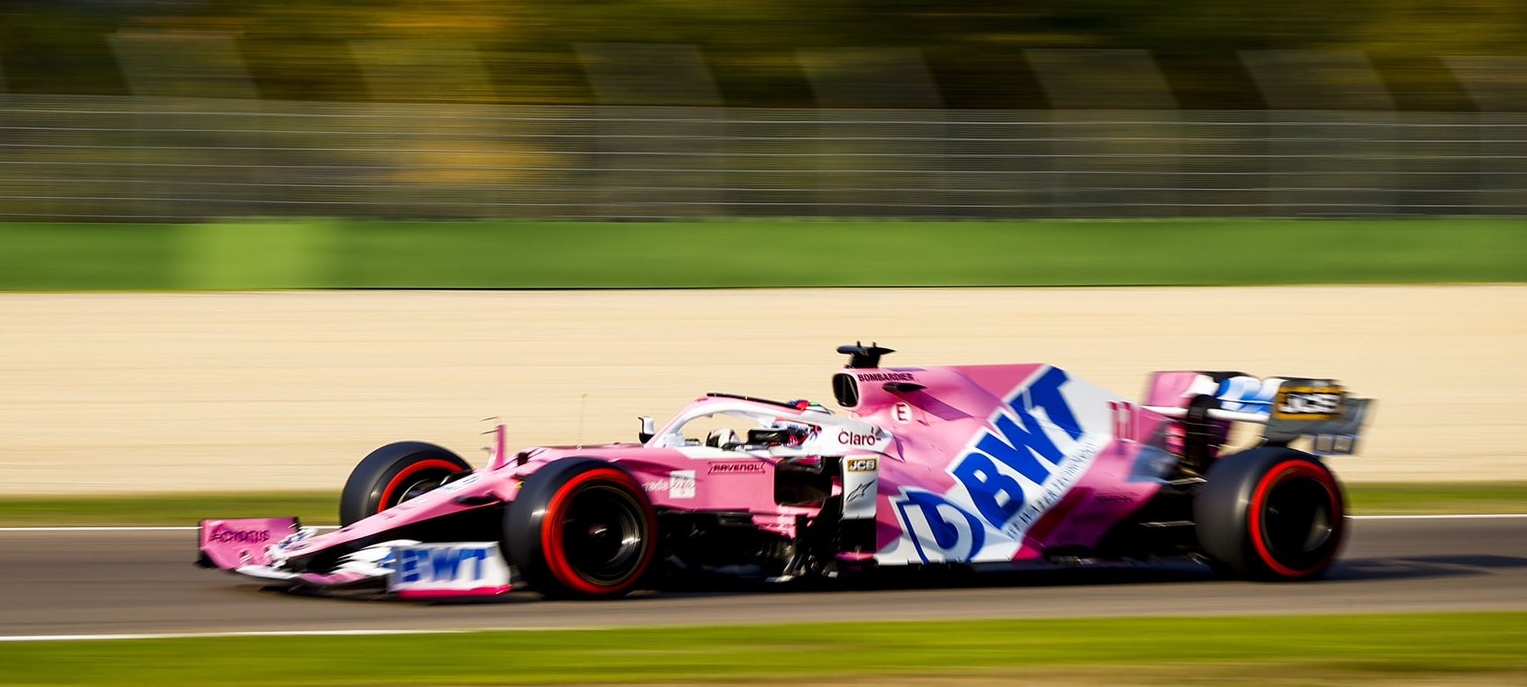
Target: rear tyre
581,528
1270,513
393,474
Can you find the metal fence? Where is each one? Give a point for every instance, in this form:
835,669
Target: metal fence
139,158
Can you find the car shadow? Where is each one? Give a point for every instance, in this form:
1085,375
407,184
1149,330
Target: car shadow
1415,567
958,577
952,577
1348,570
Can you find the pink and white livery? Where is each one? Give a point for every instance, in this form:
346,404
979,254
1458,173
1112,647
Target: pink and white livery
934,465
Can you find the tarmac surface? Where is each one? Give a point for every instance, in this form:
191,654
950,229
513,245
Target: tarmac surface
132,582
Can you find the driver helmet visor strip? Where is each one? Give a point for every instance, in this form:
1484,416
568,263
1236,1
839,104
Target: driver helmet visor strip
788,432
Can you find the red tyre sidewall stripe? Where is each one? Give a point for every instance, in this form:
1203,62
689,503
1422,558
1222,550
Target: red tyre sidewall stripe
1285,469
399,479
552,531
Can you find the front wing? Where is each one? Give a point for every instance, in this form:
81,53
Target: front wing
256,548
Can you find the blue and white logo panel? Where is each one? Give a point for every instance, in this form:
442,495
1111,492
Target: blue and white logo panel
1031,452
1244,394
449,569
936,530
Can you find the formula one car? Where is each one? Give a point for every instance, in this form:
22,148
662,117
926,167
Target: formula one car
935,465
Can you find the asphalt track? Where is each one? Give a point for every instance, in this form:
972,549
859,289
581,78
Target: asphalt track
142,582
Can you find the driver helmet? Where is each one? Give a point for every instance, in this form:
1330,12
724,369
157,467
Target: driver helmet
787,433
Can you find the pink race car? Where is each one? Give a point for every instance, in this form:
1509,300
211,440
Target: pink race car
933,465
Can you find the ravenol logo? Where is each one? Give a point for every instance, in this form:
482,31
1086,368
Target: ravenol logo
1009,475
467,568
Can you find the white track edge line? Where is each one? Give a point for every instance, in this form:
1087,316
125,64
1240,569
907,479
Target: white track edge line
248,633
315,632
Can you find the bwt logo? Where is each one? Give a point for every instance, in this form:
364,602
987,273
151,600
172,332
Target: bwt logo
989,501
1019,445
441,564
940,531
223,535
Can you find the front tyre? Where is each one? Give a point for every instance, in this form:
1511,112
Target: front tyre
393,474
581,528
1270,513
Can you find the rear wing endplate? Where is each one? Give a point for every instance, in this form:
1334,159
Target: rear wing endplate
1319,410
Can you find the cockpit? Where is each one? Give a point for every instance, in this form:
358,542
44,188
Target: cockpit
734,423
726,422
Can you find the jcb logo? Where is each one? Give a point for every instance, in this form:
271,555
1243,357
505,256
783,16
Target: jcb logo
1308,403
861,465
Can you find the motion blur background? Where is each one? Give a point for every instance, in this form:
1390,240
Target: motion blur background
220,145
199,109
174,174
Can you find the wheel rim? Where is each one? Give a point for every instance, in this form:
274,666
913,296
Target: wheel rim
418,487
1296,524
414,481
603,536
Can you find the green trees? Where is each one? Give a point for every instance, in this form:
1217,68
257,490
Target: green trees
527,50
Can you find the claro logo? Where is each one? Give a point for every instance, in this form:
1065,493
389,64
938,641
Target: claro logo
223,535
848,438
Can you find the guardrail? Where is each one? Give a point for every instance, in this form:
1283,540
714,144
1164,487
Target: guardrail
191,159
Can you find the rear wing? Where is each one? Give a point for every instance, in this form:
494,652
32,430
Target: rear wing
1288,408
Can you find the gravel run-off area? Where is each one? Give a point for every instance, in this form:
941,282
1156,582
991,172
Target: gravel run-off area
148,392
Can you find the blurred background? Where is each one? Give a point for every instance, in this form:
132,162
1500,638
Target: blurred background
335,114
248,316
154,110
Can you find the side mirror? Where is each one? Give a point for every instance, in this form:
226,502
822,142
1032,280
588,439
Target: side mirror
649,428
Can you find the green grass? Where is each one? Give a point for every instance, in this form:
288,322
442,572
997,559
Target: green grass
319,507
1431,498
755,253
1375,649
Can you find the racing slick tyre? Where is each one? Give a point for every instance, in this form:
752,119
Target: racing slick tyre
393,474
581,528
1270,513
